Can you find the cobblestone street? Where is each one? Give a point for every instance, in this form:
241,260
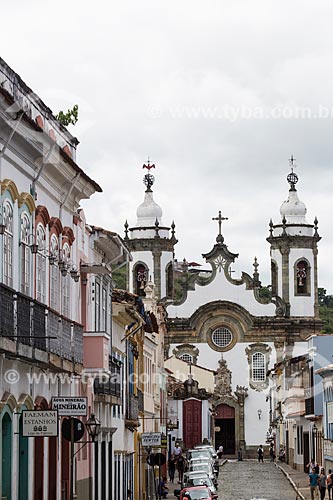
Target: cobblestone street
249,480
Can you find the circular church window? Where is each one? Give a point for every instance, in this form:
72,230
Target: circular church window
222,337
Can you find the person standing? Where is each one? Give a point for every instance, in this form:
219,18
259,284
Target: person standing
322,483
329,484
219,452
271,453
171,468
180,467
260,452
313,483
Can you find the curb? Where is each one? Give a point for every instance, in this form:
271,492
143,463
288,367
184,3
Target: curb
291,481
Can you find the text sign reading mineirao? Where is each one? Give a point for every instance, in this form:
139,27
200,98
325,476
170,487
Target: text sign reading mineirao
151,439
69,406
38,423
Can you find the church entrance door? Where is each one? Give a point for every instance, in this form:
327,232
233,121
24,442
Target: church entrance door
225,423
192,432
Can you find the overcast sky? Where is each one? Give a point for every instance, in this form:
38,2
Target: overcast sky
218,93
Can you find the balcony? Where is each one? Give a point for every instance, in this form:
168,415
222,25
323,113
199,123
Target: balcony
132,412
33,326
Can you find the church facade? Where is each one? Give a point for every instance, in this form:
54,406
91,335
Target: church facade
233,325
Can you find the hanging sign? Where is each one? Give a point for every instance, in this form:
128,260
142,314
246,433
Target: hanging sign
151,439
39,423
69,406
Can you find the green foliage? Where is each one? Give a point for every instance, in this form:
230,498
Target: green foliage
326,310
69,118
265,293
119,277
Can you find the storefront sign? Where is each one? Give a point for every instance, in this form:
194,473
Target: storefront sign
69,406
151,439
38,423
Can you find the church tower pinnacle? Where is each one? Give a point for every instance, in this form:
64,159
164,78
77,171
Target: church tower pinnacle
151,246
294,252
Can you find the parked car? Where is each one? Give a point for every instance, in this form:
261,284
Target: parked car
200,480
195,493
205,468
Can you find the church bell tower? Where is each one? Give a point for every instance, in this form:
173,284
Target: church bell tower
294,273
151,246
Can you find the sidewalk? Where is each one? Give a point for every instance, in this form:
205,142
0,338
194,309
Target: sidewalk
298,479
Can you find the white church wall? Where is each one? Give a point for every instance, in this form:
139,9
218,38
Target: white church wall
145,257
277,257
221,289
166,258
300,305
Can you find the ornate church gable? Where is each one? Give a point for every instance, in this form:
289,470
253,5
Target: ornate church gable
198,288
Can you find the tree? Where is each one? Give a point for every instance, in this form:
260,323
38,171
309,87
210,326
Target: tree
69,118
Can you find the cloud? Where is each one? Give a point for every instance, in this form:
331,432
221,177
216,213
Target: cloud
218,94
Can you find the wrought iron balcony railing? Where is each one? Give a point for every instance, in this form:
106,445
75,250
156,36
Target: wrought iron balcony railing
31,323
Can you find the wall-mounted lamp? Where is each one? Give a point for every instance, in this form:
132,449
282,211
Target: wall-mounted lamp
259,414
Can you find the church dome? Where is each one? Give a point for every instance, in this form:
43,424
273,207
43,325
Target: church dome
293,209
148,211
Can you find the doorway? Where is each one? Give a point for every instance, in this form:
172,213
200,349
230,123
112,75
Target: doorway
192,423
306,451
225,429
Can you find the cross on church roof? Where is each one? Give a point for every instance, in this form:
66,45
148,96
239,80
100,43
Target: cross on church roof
292,177
220,218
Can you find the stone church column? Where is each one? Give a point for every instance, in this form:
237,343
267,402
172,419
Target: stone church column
157,272
241,394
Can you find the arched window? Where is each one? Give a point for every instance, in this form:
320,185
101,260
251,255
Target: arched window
186,357
41,264
169,280
66,285
274,275
140,279
25,253
54,273
258,367
8,243
302,278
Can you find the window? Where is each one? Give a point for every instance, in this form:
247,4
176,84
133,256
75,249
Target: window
97,306
25,254
222,337
104,309
66,283
8,243
258,367
141,278
274,275
40,264
302,278
54,274
169,280
186,357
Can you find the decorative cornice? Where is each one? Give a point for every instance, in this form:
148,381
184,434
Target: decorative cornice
8,400
43,212
55,223
67,232
27,199
9,185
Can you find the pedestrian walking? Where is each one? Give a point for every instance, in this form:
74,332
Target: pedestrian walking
219,452
180,467
313,483
171,468
329,483
272,453
322,483
260,452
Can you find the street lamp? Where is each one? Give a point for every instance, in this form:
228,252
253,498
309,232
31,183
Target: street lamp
93,426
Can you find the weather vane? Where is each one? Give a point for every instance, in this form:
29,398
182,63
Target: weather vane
148,179
292,178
